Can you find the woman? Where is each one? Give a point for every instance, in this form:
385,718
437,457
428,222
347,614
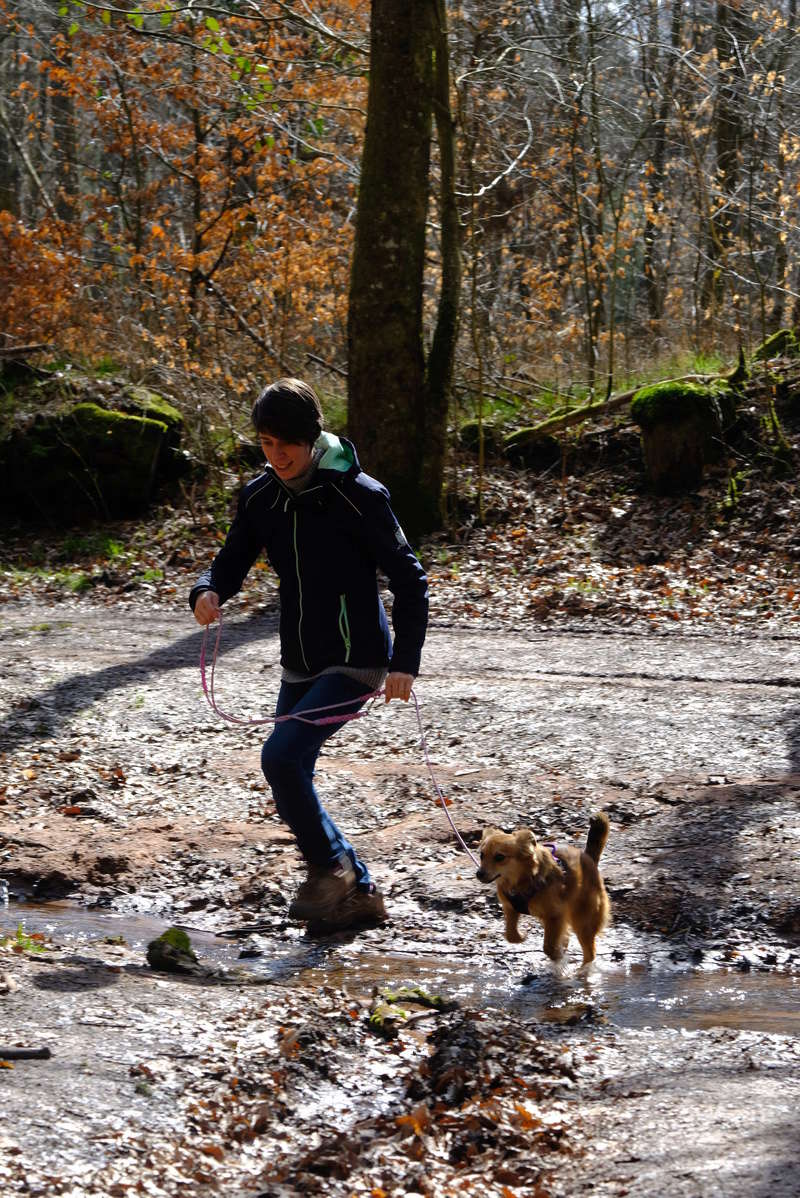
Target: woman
327,528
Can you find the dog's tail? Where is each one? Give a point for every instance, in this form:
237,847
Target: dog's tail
598,835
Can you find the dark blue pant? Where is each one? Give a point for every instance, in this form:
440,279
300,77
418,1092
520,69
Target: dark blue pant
288,759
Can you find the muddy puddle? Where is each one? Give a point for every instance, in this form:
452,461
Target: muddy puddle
637,983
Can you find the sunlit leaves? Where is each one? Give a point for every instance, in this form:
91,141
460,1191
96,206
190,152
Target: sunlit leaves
184,173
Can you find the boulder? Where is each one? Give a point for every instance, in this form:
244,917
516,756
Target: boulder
72,446
469,436
172,952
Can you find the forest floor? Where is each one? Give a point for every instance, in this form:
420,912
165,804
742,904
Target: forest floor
590,647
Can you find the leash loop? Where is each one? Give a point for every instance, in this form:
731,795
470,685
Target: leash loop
208,691
341,718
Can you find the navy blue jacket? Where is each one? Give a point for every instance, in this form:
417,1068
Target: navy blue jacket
326,544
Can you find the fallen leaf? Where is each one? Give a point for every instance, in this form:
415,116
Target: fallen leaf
214,1150
418,1119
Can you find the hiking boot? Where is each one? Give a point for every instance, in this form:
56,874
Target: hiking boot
358,909
323,890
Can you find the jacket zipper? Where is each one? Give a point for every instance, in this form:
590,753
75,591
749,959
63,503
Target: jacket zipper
299,592
344,626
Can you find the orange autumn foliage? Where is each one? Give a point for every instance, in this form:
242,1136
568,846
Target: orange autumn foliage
201,212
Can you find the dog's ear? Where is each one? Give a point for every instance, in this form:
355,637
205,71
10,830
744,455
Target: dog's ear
487,835
526,842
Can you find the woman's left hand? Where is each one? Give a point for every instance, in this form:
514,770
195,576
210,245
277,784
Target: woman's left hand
398,686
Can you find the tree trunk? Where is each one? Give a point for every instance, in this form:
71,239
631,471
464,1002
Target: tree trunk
661,89
782,184
10,77
64,135
398,401
731,35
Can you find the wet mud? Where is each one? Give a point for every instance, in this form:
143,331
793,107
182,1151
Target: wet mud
126,806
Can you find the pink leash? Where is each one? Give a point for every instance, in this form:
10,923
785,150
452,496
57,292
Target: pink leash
341,718
208,691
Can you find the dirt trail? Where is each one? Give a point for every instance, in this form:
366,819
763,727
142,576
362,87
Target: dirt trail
671,1069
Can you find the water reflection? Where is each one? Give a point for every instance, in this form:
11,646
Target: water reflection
637,982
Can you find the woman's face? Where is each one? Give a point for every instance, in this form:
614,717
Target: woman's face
289,459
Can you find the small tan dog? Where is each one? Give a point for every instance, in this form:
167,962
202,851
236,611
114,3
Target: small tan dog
560,886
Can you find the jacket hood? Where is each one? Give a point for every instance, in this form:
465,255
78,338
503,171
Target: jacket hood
338,454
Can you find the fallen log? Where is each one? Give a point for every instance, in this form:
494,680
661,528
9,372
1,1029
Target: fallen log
598,407
20,351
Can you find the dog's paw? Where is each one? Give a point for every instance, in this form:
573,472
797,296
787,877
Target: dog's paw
514,937
558,968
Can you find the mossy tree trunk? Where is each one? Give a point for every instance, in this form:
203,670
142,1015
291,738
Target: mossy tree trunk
398,395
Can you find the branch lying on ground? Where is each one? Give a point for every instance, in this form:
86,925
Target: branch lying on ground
597,407
25,1054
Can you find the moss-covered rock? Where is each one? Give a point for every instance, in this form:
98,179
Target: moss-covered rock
73,446
389,1008
141,401
85,459
781,344
121,451
172,952
138,400
469,436
683,426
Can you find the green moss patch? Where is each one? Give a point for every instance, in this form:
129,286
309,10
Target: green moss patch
389,1008
683,427
782,344
672,402
73,445
470,433
83,459
172,952
144,402
95,421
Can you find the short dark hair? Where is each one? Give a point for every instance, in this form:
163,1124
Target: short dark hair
288,409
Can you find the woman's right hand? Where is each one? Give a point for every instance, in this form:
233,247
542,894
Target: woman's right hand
206,609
